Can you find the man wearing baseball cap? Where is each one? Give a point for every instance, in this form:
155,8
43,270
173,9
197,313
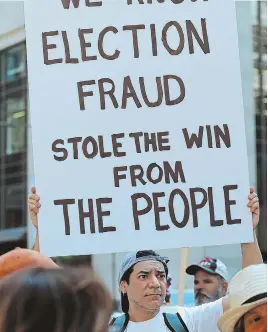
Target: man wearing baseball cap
142,283
210,280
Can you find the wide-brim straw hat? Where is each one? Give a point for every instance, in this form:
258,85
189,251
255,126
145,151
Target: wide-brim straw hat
247,290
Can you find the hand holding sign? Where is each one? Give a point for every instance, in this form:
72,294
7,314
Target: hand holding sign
254,206
34,207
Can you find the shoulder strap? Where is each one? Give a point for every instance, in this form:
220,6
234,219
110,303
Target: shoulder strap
119,323
175,323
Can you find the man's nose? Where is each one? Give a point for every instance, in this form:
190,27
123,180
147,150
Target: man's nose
199,285
155,282
198,288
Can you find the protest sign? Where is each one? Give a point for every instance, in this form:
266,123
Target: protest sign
138,125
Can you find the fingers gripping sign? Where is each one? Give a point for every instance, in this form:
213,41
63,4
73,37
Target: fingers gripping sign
34,206
254,207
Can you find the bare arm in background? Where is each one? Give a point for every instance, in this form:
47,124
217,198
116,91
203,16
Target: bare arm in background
251,253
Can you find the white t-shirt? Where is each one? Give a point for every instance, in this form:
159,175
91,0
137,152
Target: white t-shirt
202,318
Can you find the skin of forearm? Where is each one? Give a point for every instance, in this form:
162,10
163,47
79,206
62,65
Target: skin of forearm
251,253
36,246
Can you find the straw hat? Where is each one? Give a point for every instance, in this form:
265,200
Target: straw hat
247,290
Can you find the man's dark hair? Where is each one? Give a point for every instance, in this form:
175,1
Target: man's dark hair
126,276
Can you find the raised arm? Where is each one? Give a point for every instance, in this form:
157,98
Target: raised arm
34,206
251,253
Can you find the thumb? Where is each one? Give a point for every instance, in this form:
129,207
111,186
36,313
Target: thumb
251,190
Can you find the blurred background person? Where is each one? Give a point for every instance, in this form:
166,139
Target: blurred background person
54,300
210,280
169,288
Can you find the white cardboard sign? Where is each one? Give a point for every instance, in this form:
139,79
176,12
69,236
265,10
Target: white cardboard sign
138,125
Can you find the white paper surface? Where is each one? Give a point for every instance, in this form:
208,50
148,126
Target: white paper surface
213,96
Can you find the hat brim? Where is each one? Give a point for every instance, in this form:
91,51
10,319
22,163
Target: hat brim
192,269
227,322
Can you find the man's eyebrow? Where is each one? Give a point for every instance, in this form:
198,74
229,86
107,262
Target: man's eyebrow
160,271
144,272
149,271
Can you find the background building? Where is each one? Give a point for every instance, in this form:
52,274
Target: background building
13,127
16,160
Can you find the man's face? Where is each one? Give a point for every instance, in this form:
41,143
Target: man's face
255,320
207,287
147,286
